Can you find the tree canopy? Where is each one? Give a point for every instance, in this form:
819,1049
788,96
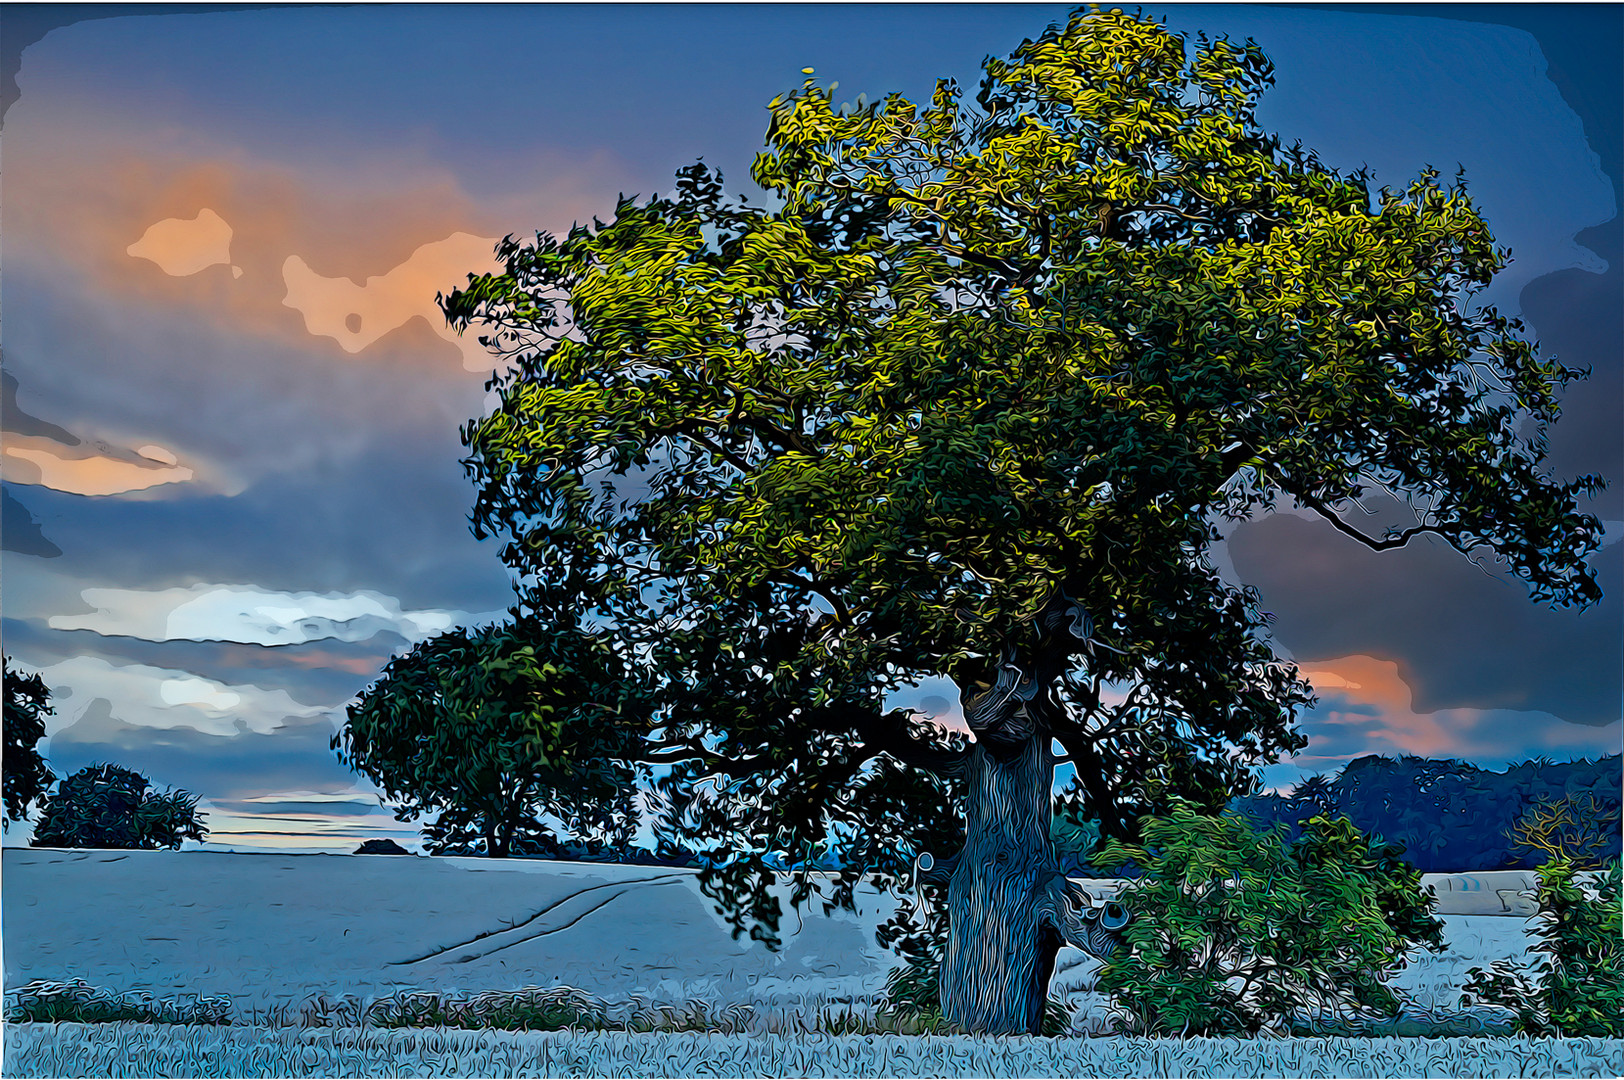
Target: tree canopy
27,777
972,399
108,806
487,730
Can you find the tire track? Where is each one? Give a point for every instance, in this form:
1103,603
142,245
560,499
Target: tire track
624,886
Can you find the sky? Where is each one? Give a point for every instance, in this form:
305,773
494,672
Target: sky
232,487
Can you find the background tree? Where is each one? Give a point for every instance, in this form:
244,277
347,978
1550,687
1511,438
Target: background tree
1580,830
106,806
488,729
26,776
1454,817
970,403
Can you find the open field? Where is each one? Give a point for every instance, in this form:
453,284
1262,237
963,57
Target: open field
272,931
291,937
134,1050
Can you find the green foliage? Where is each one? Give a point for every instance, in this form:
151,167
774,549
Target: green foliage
487,729
557,1008
77,1002
967,400
1234,932
26,776
106,806
1575,986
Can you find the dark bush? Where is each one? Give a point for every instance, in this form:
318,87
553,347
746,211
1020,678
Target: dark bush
105,806
77,1002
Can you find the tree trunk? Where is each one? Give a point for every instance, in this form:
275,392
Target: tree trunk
1010,909
1000,946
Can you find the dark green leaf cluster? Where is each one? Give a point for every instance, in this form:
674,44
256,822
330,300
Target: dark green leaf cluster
26,776
1575,987
488,729
1235,932
106,806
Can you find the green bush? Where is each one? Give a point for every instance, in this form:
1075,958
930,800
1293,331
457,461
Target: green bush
105,806
533,1008
1575,987
1235,932
77,1002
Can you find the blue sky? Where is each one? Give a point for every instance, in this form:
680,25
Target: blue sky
230,457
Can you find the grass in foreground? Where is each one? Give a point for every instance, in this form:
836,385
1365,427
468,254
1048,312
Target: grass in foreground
119,1050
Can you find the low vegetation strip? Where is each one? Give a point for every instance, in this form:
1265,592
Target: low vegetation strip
119,1050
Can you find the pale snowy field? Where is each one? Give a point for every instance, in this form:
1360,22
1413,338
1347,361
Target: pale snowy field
273,931
276,932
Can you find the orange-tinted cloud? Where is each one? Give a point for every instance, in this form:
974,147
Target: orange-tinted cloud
355,316
1367,706
183,247
82,470
241,243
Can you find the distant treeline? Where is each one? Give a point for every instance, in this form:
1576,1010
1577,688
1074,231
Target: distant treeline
1451,816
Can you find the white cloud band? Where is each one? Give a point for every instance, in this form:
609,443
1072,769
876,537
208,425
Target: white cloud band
250,615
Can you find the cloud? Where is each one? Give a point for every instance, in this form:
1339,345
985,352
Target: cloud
1366,706
937,697
17,422
251,615
182,247
139,219
84,471
307,820
19,531
42,454
162,698
1463,636
244,764
355,316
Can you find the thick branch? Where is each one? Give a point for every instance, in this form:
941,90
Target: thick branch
1082,920
930,871
1393,541
883,734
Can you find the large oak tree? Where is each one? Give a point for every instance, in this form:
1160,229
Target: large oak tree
972,400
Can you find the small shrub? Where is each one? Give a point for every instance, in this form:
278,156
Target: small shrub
1575,986
533,1008
105,806
912,999
77,1002
692,1016
1234,932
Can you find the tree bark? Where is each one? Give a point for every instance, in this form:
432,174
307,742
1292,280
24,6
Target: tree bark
1000,950
1010,909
